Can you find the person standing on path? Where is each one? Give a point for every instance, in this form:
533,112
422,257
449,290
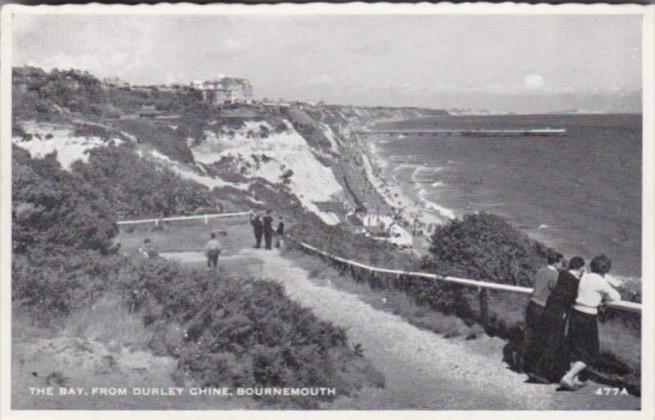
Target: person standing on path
212,250
584,347
258,229
267,222
279,238
148,250
544,283
554,359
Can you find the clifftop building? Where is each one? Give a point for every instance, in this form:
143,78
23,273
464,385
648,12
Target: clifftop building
223,90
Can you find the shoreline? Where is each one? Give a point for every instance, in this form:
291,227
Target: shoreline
408,207
413,215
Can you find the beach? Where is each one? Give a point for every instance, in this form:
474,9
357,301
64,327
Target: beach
415,216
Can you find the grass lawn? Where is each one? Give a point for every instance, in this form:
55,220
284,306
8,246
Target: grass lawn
189,236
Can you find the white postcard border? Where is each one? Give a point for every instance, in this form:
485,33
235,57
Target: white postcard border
648,197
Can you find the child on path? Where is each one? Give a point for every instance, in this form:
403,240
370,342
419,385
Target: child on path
148,250
212,250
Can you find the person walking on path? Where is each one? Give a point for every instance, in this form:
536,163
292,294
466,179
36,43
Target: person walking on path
279,238
593,290
544,283
551,338
148,250
212,250
267,222
258,229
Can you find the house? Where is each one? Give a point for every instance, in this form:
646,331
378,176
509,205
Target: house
222,90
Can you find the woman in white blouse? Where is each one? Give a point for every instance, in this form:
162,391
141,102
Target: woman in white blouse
594,289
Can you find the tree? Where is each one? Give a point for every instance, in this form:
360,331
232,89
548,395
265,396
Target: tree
484,246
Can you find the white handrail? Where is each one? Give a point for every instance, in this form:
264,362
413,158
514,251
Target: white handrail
177,218
621,305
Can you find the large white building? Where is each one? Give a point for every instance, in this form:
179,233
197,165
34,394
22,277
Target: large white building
223,90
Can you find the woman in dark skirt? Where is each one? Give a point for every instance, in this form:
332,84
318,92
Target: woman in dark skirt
593,290
554,359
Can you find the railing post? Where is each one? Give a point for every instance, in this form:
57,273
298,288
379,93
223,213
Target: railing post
206,219
484,306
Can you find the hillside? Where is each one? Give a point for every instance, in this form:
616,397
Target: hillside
295,159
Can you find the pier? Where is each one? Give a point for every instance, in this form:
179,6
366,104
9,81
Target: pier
434,132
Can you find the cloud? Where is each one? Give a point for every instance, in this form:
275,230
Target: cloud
533,82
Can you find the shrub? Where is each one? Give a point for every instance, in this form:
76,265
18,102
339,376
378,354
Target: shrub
52,284
235,331
136,187
484,246
52,207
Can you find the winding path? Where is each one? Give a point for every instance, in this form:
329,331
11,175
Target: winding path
422,370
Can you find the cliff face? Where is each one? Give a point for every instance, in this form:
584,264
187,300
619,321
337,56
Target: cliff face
250,155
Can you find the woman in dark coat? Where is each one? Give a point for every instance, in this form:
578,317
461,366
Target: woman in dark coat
554,359
258,229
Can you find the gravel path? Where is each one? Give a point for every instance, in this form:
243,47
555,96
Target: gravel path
422,370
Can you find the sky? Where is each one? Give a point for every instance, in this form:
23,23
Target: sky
510,63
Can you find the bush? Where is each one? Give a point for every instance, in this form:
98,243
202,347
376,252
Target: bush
136,187
52,284
53,208
485,247
235,331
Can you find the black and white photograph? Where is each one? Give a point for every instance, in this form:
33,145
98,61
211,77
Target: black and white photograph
327,208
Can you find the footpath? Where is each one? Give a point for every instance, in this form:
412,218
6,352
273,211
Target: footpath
422,370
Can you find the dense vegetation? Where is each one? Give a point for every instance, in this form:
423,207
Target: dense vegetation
238,331
485,246
53,208
136,187
47,95
62,237
40,93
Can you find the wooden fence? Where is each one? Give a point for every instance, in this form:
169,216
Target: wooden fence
482,286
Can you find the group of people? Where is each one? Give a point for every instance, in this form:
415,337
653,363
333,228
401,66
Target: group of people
263,227
561,337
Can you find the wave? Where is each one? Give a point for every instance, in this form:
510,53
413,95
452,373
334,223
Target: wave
627,281
431,205
405,166
425,174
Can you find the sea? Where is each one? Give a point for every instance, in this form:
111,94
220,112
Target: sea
580,193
